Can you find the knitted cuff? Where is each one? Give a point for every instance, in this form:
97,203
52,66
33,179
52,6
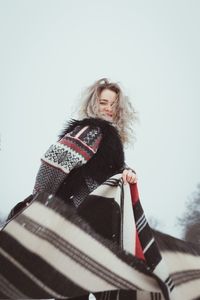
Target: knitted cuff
126,167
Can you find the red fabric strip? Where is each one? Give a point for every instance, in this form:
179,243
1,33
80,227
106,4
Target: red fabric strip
135,198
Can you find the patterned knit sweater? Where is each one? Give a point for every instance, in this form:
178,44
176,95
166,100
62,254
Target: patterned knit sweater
90,150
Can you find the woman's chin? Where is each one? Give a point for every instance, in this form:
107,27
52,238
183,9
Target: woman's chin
107,118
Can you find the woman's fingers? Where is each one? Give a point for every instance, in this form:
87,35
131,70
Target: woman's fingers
129,176
125,172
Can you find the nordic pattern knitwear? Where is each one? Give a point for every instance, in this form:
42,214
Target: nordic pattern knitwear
84,190
71,151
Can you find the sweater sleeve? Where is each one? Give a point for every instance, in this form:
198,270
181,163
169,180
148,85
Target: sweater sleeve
74,149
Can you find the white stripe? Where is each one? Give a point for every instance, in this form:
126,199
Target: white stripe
139,220
86,145
106,191
81,131
141,228
25,271
89,245
76,138
162,271
186,291
129,228
178,261
63,263
148,245
141,223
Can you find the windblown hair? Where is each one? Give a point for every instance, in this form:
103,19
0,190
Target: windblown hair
125,116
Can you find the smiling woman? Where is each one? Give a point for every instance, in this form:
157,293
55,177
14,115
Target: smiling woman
101,95
107,104
88,152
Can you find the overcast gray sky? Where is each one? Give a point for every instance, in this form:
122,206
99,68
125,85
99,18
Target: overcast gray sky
52,49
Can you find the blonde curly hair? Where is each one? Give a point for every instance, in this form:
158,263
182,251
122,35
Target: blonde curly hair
125,116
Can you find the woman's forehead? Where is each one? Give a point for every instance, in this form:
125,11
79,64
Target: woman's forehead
108,95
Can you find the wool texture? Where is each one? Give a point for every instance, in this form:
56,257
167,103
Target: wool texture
87,152
50,250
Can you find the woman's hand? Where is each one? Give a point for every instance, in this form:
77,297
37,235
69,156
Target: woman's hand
129,176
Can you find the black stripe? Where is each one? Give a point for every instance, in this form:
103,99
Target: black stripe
170,283
127,295
112,182
152,296
138,211
56,281
2,295
107,295
70,214
138,264
75,254
152,255
18,279
120,294
168,280
185,276
155,296
9,289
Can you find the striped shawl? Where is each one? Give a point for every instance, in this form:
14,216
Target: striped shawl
49,251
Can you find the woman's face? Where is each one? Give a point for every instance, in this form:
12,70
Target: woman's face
106,102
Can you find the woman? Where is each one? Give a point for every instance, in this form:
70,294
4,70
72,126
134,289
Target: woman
87,153
89,150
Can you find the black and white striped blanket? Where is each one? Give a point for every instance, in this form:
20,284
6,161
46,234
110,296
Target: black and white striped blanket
49,251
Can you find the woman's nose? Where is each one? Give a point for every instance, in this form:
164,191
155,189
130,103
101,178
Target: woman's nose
109,108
